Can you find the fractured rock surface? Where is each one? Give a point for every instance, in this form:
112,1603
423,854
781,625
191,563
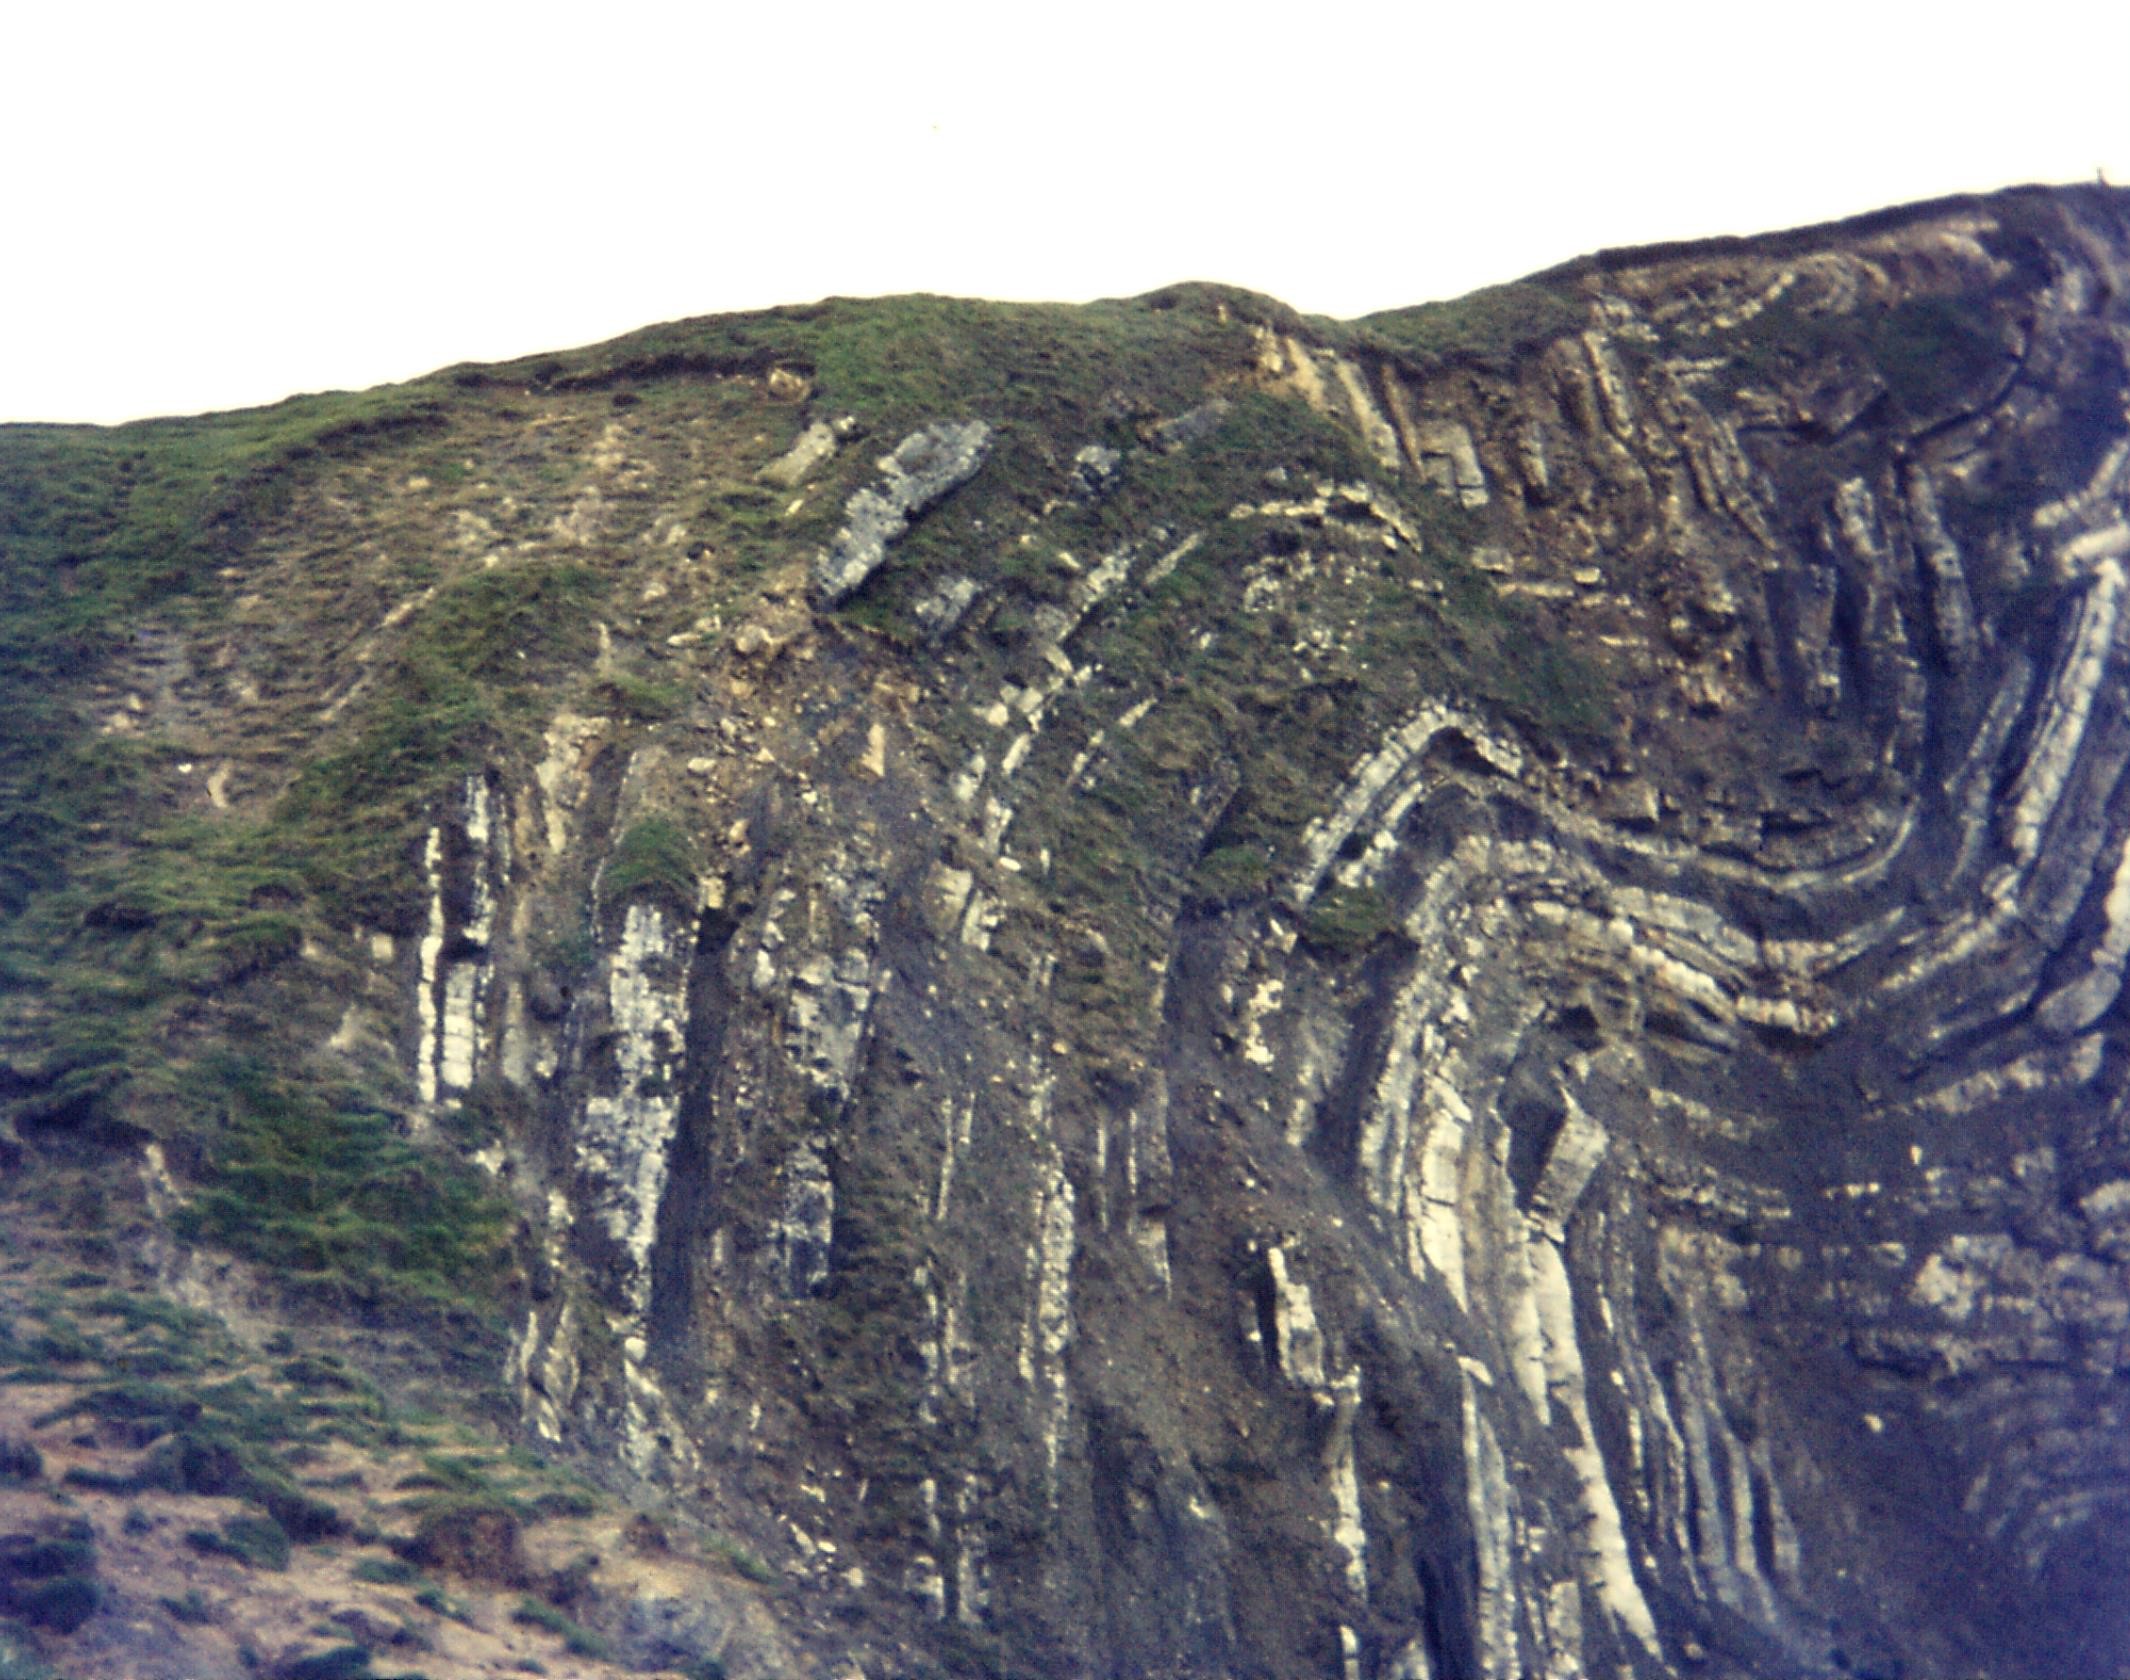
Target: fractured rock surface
1617,1166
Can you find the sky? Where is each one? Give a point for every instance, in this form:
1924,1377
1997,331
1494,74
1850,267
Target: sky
211,205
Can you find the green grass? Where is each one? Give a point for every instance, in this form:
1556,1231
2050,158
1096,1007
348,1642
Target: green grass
233,1429
1348,919
460,1476
137,1312
62,1603
117,920
32,1558
322,1187
1491,325
232,1454
331,1196
1931,352
164,1404
152,949
191,1607
463,689
1561,690
210,1426
325,1372
258,1542
20,1463
440,1603
747,1564
133,939
897,362
99,526
654,859
1206,799
1230,875
644,699
62,1342
105,525
579,1641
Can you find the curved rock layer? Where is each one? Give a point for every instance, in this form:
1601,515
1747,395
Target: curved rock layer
1690,1235
1170,1128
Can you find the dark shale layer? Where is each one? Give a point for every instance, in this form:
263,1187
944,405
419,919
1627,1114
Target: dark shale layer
1144,990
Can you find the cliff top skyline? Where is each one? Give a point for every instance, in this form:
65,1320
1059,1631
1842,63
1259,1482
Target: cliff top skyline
225,210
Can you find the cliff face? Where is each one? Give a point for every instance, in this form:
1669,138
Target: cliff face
1160,989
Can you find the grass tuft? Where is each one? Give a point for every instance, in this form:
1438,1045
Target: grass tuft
1348,919
655,858
254,1541
579,1641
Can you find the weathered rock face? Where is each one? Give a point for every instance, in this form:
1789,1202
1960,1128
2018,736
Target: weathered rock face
1441,1001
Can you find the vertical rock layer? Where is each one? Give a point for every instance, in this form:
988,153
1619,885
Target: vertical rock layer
1483,1040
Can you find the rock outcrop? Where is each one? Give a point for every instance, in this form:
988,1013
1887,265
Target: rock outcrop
921,469
1438,998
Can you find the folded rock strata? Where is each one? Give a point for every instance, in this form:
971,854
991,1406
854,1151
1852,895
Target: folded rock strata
1615,1164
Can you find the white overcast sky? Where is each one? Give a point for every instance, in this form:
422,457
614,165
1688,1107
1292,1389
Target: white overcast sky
209,205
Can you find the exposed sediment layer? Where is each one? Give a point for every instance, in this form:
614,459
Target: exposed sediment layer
1491,1047
1634,1077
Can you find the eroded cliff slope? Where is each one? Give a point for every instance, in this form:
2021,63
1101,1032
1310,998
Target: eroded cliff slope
1154,989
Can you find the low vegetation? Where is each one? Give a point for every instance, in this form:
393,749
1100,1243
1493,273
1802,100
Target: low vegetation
654,859
461,693
99,527
1348,919
1929,352
239,1477
1490,326
135,926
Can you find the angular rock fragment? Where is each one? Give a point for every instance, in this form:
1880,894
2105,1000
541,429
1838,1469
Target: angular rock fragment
811,450
915,477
